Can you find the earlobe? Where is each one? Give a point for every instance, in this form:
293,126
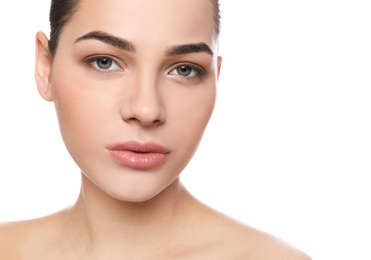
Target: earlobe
43,66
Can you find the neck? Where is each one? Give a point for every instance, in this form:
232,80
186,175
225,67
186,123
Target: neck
106,222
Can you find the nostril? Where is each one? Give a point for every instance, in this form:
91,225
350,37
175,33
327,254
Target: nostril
142,121
144,107
157,122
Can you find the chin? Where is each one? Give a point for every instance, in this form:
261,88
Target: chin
128,185
137,197
138,191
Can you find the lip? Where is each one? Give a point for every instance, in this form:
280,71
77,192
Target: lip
138,155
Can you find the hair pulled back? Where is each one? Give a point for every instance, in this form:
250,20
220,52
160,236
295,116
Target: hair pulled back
62,11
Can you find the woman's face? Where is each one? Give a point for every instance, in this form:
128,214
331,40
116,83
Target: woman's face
134,86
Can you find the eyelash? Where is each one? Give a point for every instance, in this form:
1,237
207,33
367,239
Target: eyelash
196,71
92,61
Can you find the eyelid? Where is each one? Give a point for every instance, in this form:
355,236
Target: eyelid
200,71
92,58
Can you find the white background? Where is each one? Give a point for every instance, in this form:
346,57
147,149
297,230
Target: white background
288,149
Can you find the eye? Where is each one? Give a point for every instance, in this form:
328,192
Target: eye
185,71
103,64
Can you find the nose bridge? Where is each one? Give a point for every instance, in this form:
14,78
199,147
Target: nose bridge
144,103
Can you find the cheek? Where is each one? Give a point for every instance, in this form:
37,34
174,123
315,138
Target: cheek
79,107
192,115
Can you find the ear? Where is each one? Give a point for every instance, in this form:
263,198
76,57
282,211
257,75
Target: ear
219,65
43,66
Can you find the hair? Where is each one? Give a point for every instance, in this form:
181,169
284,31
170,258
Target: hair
62,11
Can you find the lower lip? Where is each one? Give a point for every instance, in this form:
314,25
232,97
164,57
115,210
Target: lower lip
138,160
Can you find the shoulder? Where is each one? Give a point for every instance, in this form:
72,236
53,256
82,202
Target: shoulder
231,239
268,247
21,238
242,241
11,235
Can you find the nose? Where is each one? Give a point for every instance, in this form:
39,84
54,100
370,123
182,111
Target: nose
143,102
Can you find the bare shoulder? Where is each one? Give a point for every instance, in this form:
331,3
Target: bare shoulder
26,238
264,246
11,235
232,239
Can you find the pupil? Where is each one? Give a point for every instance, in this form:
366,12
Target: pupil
184,70
104,63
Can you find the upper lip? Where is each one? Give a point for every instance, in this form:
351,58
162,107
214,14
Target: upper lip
138,147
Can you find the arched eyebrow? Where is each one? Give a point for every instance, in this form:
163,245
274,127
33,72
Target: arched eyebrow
130,47
188,48
108,39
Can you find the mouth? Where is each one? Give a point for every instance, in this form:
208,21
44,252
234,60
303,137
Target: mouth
138,155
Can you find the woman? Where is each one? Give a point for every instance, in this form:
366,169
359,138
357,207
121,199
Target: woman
134,86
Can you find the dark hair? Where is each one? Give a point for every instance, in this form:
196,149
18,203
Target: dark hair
61,12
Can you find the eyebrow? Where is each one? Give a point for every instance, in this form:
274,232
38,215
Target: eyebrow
108,39
130,47
189,48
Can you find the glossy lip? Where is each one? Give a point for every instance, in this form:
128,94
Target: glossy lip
138,155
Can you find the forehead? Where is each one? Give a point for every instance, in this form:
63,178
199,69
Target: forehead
156,21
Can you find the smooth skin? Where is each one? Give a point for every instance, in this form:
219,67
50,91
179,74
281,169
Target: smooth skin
141,90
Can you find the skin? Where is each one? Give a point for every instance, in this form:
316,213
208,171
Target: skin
126,213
